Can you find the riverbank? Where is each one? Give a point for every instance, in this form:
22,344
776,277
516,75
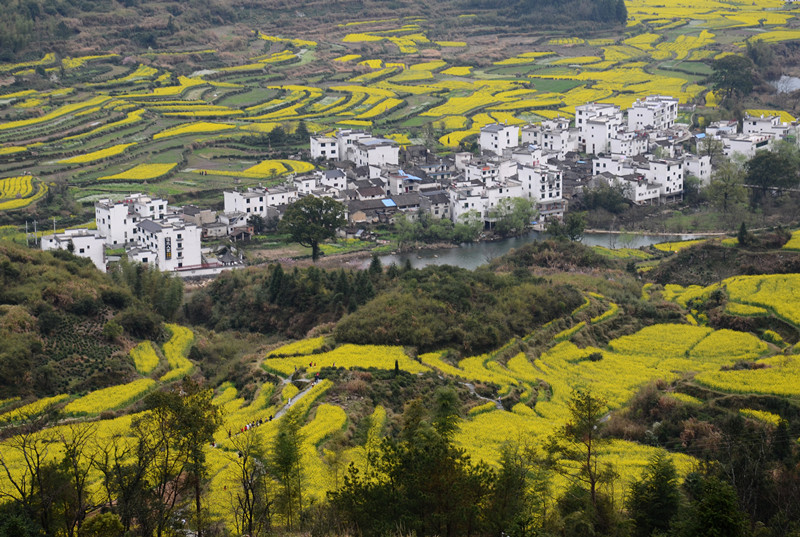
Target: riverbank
709,234
466,255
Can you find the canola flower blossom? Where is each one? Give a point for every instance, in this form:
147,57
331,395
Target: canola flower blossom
141,172
100,154
144,357
109,398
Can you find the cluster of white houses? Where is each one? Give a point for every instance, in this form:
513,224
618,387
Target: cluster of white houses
640,150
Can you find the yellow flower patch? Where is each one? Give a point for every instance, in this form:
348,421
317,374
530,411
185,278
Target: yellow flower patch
141,172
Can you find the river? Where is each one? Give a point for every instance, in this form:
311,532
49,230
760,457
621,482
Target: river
474,254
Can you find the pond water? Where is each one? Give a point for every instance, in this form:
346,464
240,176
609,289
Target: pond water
473,255
786,84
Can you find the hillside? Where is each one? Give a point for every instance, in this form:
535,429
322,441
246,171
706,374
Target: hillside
705,372
69,26
67,328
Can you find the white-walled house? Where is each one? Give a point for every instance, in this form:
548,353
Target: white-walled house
496,138
527,155
258,200
540,183
635,187
596,134
85,243
305,184
335,179
375,152
552,135
116,221
501,190
767,125
656,112
699,166
171,243
346,138
596,123
641,174
326,147
718,129
585,111
466,199
479,169
667,174
629,143
746,145
399,182
615,165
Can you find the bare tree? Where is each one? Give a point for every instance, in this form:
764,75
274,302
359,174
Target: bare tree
77,461
250,485
28,467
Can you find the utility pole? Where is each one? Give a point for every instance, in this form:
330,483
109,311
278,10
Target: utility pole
27,237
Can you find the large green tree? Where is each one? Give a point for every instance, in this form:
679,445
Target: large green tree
770,171
513,216
655,498
419,481
571,229
733,76
726,189
311,220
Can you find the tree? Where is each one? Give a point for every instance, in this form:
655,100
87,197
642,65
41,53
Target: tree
250,489
743,237
170,456
198,419
517,501
77,460
469,226
419,482
571,229
287,468
726,189
714,510
513,215
102,525
769,170
258,223
712,147
30,482
407,231
655,498
311,220
445,416
301,134
578,441
733,76
604,196
375,266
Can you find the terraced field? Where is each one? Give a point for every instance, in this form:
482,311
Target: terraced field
545,381
145,124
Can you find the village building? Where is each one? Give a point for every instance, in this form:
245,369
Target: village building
81,242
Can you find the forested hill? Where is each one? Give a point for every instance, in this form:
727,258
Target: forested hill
65,327
557,13
30,27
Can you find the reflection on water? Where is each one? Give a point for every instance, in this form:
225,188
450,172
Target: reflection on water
473,255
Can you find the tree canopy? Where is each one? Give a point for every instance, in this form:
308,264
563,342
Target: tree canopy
771,170
311,220
733,76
